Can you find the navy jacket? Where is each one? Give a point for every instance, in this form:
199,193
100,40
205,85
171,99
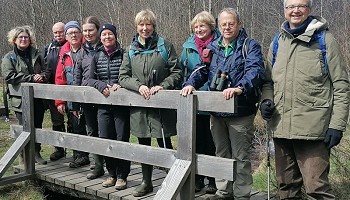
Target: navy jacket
248,74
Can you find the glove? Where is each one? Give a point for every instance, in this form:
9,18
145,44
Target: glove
333,137
267,107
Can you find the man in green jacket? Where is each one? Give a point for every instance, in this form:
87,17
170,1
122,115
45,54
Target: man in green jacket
307,101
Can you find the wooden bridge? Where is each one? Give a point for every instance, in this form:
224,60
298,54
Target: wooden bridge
183,163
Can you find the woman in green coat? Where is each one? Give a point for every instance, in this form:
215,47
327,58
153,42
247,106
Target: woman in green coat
25,64
150,64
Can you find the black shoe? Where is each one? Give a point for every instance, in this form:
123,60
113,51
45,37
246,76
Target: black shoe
56,155
211,189
79,162
199,185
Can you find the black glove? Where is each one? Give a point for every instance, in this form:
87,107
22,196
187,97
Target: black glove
267,107
333,137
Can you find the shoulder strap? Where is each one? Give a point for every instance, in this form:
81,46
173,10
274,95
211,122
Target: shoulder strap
160,48
275,47
321,37
245,48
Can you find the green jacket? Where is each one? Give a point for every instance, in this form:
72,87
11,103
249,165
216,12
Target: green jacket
148,122
15,71
307,101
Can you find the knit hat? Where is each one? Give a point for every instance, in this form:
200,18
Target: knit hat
71,24
108,26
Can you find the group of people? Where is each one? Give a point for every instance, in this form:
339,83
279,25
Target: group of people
302,92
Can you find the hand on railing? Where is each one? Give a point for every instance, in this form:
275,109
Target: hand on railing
187,90
145,91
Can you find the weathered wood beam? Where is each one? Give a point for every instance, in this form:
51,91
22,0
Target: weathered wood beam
16,178
174,181
13,152
163,99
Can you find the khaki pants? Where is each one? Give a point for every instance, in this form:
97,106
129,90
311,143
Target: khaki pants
233,139
302,162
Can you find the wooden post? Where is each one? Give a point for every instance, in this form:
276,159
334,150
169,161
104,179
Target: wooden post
28,126
186,143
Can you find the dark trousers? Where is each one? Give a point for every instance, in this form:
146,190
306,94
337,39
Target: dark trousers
77,126
90,113
114,124
148,141
204,139
39,111
302,162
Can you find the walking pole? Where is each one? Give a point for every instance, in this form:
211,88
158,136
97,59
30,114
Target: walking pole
160,116
268,160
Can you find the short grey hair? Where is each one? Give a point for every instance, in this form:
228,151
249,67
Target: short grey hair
231,11
309,3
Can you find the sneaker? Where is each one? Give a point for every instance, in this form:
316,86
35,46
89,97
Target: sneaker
79,162
56,155
121,184
109,182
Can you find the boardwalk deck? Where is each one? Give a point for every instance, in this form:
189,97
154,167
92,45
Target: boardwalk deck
57,176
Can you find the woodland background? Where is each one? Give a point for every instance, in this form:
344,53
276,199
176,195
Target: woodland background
261,18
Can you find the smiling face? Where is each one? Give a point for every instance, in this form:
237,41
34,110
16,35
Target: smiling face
296,12
145,28
90,33
202,30
229,26
74,36
108,39
58,32
22,41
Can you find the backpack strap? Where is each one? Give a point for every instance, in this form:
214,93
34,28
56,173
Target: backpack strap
160,48
275,47
245,48
321,37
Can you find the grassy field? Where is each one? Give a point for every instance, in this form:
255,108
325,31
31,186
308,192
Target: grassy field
339,175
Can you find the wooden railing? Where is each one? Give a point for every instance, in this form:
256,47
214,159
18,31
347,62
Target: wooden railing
183,162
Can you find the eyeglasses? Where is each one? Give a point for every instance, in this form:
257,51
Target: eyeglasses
23,37
292,7
73,33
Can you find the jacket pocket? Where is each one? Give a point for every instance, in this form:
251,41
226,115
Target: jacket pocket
314,99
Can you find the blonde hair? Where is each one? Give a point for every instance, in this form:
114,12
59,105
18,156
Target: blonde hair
13,34
204,17
145,15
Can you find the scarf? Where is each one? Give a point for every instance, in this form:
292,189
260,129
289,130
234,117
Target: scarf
300,29
201,44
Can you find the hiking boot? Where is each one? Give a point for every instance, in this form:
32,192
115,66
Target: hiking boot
217,197
79,162
146,185
211,189
58,154
121,184
95,174
109,182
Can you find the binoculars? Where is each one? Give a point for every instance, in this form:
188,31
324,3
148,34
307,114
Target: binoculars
219,81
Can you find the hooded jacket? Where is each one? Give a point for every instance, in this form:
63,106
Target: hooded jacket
307,100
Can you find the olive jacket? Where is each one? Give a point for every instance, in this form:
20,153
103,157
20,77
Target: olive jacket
16,71
148,122
307,100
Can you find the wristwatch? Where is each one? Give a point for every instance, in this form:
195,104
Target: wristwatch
241,88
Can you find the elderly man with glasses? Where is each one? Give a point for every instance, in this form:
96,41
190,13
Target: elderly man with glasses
306,97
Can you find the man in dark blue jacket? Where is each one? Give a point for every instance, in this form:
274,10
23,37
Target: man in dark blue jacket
50,53
233,73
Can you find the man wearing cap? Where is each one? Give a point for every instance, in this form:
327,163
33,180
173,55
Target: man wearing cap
64,76
50,53
113,121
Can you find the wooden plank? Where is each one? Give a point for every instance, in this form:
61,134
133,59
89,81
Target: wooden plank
13,152
221,168
157,178
163,99
28,126
16,178
137,153
174,180
186,148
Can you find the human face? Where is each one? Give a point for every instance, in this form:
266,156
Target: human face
108,39
296,12
229,27
145,29
202,30
58,33
22,41
90,33
74,36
